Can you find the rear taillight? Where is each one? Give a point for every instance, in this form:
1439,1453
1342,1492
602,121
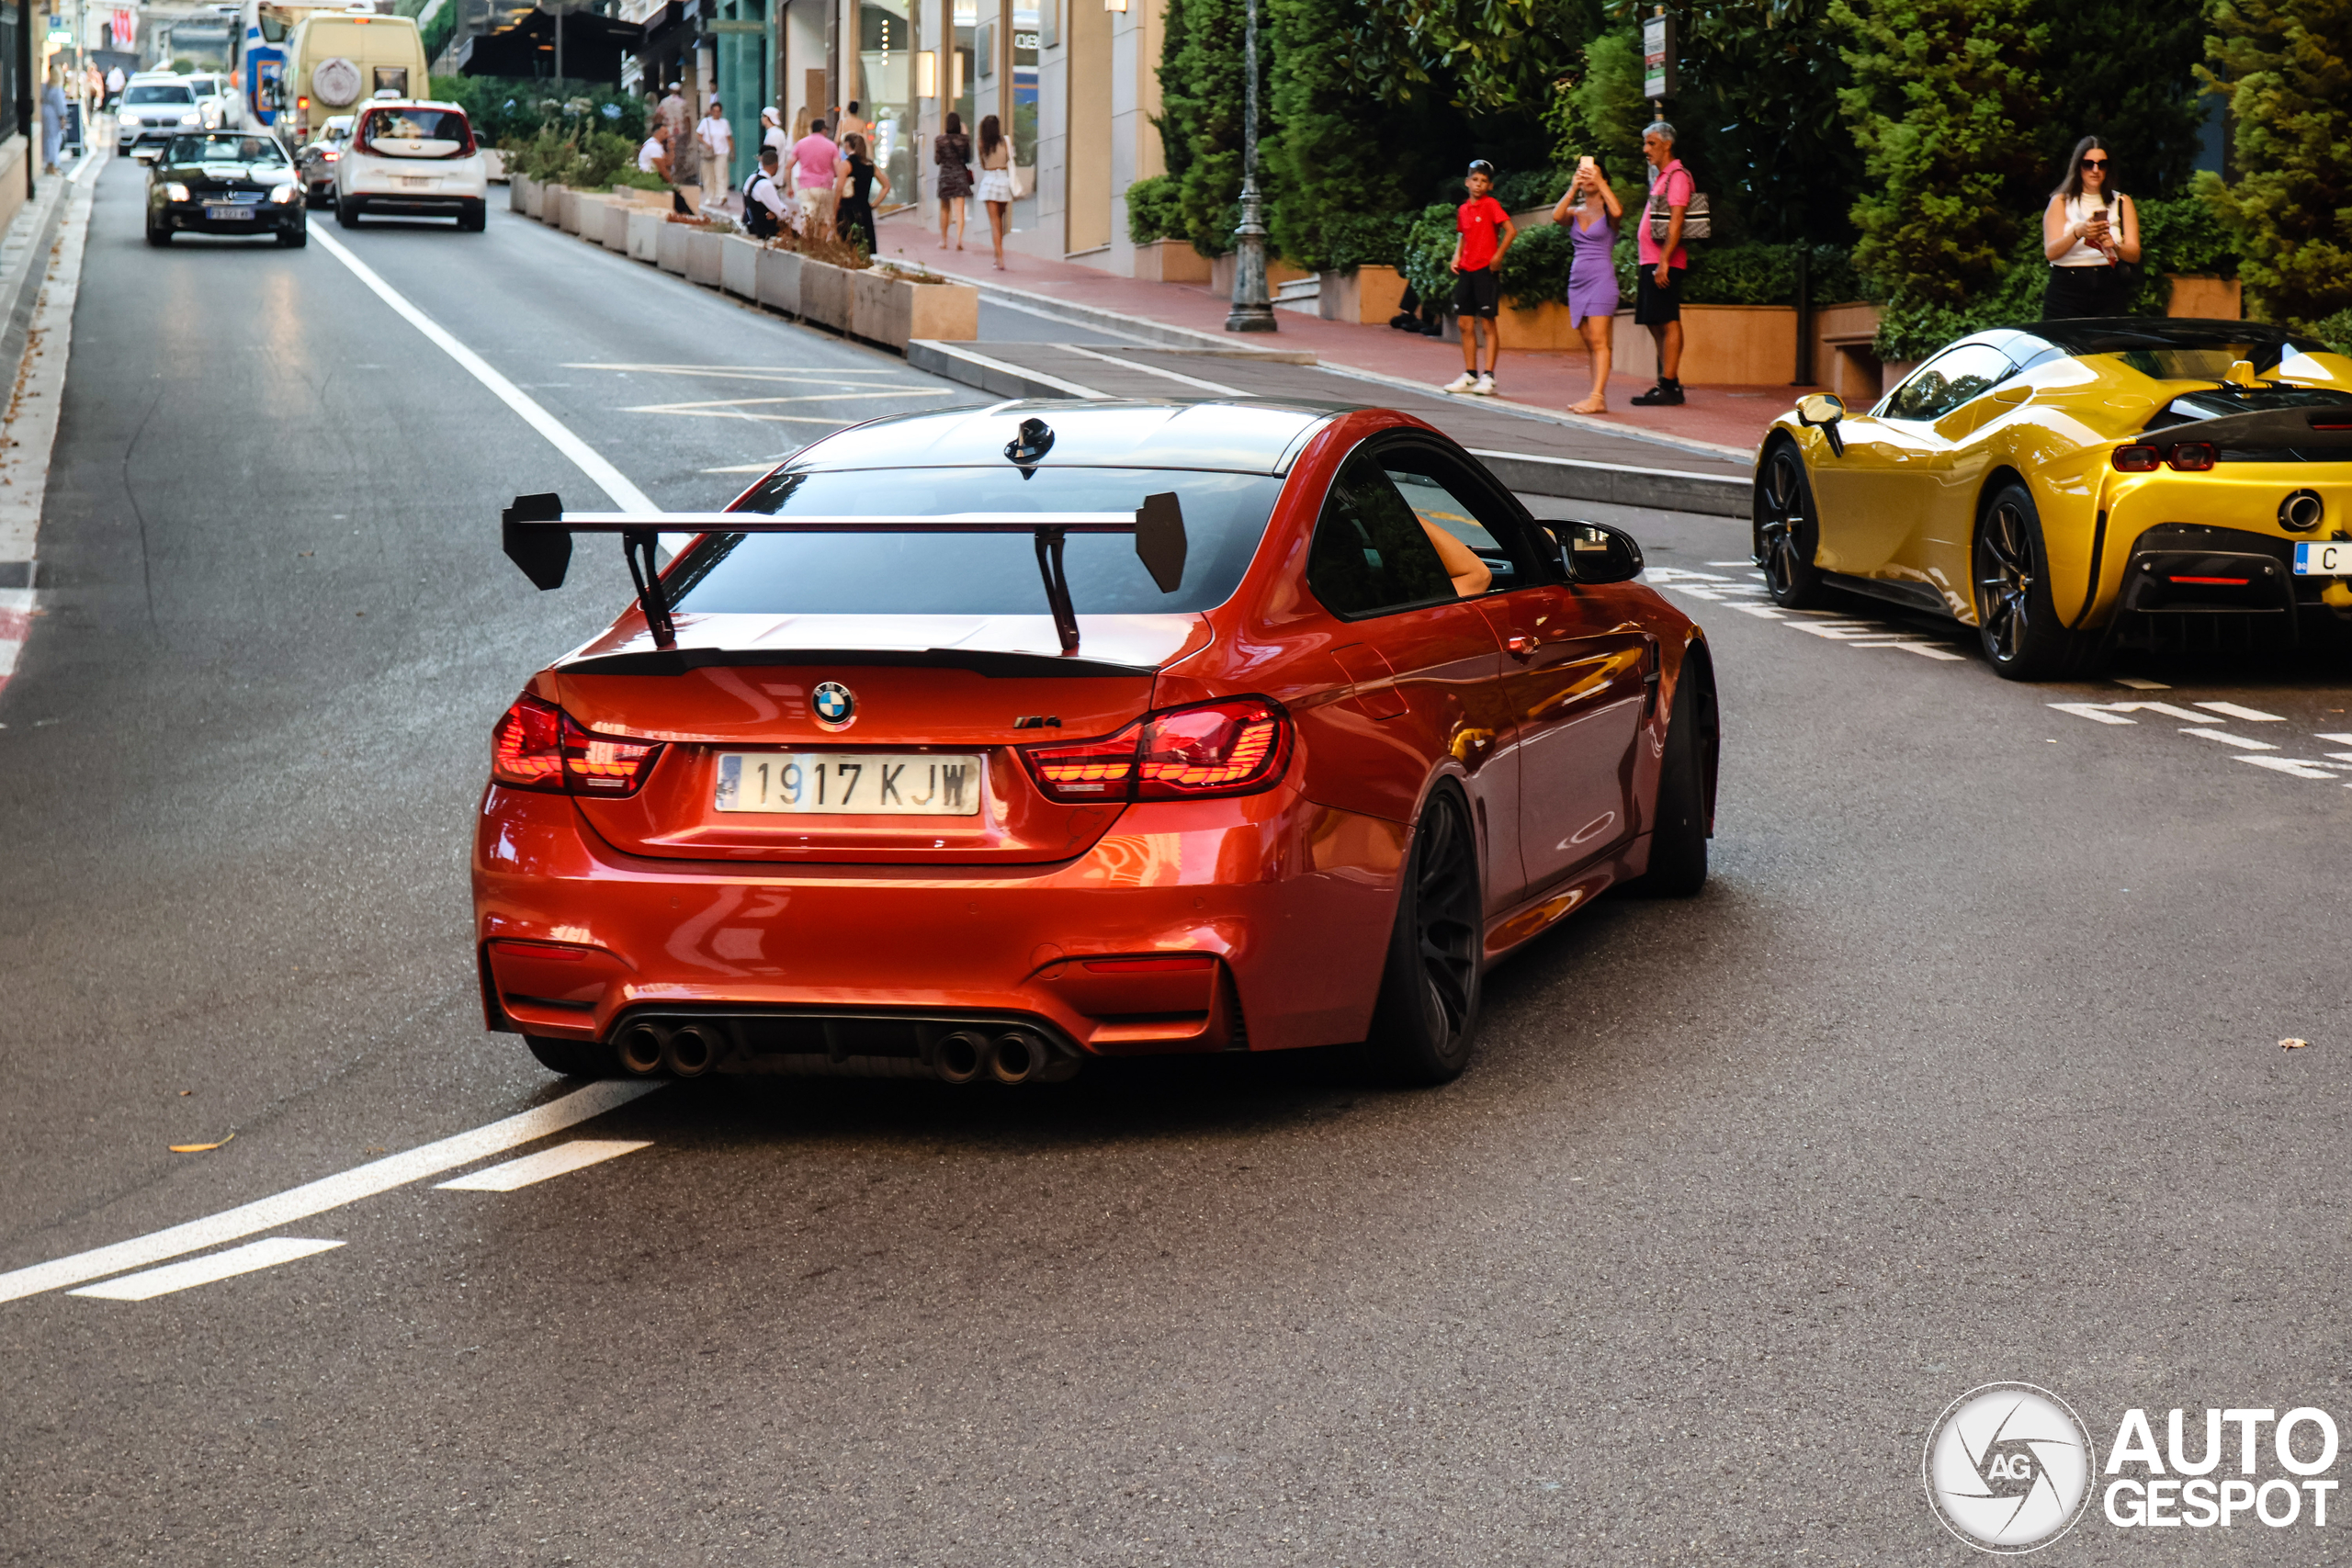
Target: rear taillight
2193,456
538,746
2138,459
1234,747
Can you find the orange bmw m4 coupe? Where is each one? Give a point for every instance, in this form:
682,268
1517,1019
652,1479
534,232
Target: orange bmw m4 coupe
971,745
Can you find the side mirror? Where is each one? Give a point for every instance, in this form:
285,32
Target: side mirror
1595,553
1822,411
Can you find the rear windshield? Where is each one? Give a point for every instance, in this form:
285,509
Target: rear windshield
230,148
159,92
973,574
2208,362
416,133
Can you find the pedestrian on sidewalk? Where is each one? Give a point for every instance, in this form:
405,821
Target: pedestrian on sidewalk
1591,209
1657,296
2090,231
771,132
53,121
653,158
995,188
671,111
686,168
115,82
813,160
849,123
1484,233
952,151
718,144
855,193
764,208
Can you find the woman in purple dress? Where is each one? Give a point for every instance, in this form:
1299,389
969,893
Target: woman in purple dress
1591,210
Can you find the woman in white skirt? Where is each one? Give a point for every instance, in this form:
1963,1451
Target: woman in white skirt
996,182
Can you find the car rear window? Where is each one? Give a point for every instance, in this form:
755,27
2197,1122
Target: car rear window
973,574
416,133
159,92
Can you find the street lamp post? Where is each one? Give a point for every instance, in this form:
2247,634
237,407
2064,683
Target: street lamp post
1253,310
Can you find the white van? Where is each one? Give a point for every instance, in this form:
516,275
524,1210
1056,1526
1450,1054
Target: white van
338,60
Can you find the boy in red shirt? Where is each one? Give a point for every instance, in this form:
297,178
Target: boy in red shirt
1485,232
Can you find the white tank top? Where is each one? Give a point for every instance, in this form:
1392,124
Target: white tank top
2080,207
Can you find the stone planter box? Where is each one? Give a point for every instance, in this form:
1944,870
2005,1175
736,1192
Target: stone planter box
605,222
2209,299
1843,360
738,266
670,249
1722,346
569,213
493,165
824,295
1368,295
704,249
1172,261
645,230
520,193
551,203
893,311
778,281
1278,272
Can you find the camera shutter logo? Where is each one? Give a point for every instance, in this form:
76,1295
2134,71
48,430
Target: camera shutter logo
2008,1468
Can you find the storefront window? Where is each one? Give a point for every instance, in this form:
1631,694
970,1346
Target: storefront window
886,63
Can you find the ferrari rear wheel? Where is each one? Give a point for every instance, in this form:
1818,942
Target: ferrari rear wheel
2016,618
1427,1018
1787,533
573,1058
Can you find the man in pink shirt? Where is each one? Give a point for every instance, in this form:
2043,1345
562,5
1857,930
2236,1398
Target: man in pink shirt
1658,299
813,157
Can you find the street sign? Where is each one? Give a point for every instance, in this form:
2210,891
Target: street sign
1657,57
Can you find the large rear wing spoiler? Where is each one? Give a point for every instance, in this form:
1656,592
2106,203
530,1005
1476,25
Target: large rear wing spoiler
2327,430
537,532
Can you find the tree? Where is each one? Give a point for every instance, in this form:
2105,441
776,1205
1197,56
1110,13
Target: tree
2124,72
1483,56
1944,93
2287,67
1761,83
1201,98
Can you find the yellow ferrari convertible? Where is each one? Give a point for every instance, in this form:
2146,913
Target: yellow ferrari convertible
2075,486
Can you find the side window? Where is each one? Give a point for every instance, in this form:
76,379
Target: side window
1950,379
1444,498
1369,555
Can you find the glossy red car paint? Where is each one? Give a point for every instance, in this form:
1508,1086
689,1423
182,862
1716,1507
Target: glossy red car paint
1260,918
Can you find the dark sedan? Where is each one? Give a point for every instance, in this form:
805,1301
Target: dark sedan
225,182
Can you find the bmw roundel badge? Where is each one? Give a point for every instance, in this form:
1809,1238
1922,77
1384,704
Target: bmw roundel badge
833,704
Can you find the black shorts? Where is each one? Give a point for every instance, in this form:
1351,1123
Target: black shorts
2075,291
1479,293
1653,305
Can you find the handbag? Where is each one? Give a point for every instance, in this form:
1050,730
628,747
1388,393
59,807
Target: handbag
1020,185
1696,224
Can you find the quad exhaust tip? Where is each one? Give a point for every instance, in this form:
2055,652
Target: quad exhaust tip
689,1050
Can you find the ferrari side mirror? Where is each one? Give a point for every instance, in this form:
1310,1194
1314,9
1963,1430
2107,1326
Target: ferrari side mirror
1822,411
1595,553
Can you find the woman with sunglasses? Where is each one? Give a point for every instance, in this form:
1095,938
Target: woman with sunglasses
2088,231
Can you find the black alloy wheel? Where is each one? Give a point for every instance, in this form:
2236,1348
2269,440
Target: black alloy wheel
1427,1017
1787,533
574,1058
2015,618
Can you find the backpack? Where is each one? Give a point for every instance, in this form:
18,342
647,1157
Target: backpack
758,222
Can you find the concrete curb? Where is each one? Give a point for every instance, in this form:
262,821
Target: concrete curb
1137,327
958,362
1661,489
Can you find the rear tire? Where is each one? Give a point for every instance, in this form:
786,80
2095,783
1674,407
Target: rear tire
2016,619
1427,1018
1787,531
574,1058
474,218
1685,818
346,213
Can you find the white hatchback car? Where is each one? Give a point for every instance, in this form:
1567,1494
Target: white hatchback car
411,158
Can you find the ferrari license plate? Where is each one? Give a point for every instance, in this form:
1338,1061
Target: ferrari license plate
849,783
2329,558
232,214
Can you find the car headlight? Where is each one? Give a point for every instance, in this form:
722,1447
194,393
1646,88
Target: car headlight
190,119
127,121
176,192
284,194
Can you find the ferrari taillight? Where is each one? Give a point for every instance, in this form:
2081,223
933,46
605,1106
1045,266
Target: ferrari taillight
1234,747
2138,459
2193,456
538,746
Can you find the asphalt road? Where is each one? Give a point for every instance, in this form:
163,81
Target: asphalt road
1965,1068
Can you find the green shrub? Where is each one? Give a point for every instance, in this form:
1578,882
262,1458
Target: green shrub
1364,239
2335,330
1535,268
516,109
1154,211
1428,248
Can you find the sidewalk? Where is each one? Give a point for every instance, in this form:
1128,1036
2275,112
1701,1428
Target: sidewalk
1726,418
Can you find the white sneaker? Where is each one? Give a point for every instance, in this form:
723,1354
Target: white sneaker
1466,382
1484,387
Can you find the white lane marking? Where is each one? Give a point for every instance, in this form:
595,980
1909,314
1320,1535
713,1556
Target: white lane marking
1217,386
1731,563
577,1154
2138,684
2336,740
2097,713
2251,716
2338,756
2111,713
2243,742
741,469
586,458
808,398
2290,765
328,1193
146,1286
1924,649
747,373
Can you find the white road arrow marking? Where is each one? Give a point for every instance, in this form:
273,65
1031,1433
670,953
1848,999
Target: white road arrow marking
2243,742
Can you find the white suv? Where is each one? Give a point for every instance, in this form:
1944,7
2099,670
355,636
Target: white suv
213,101
154,110
412,157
